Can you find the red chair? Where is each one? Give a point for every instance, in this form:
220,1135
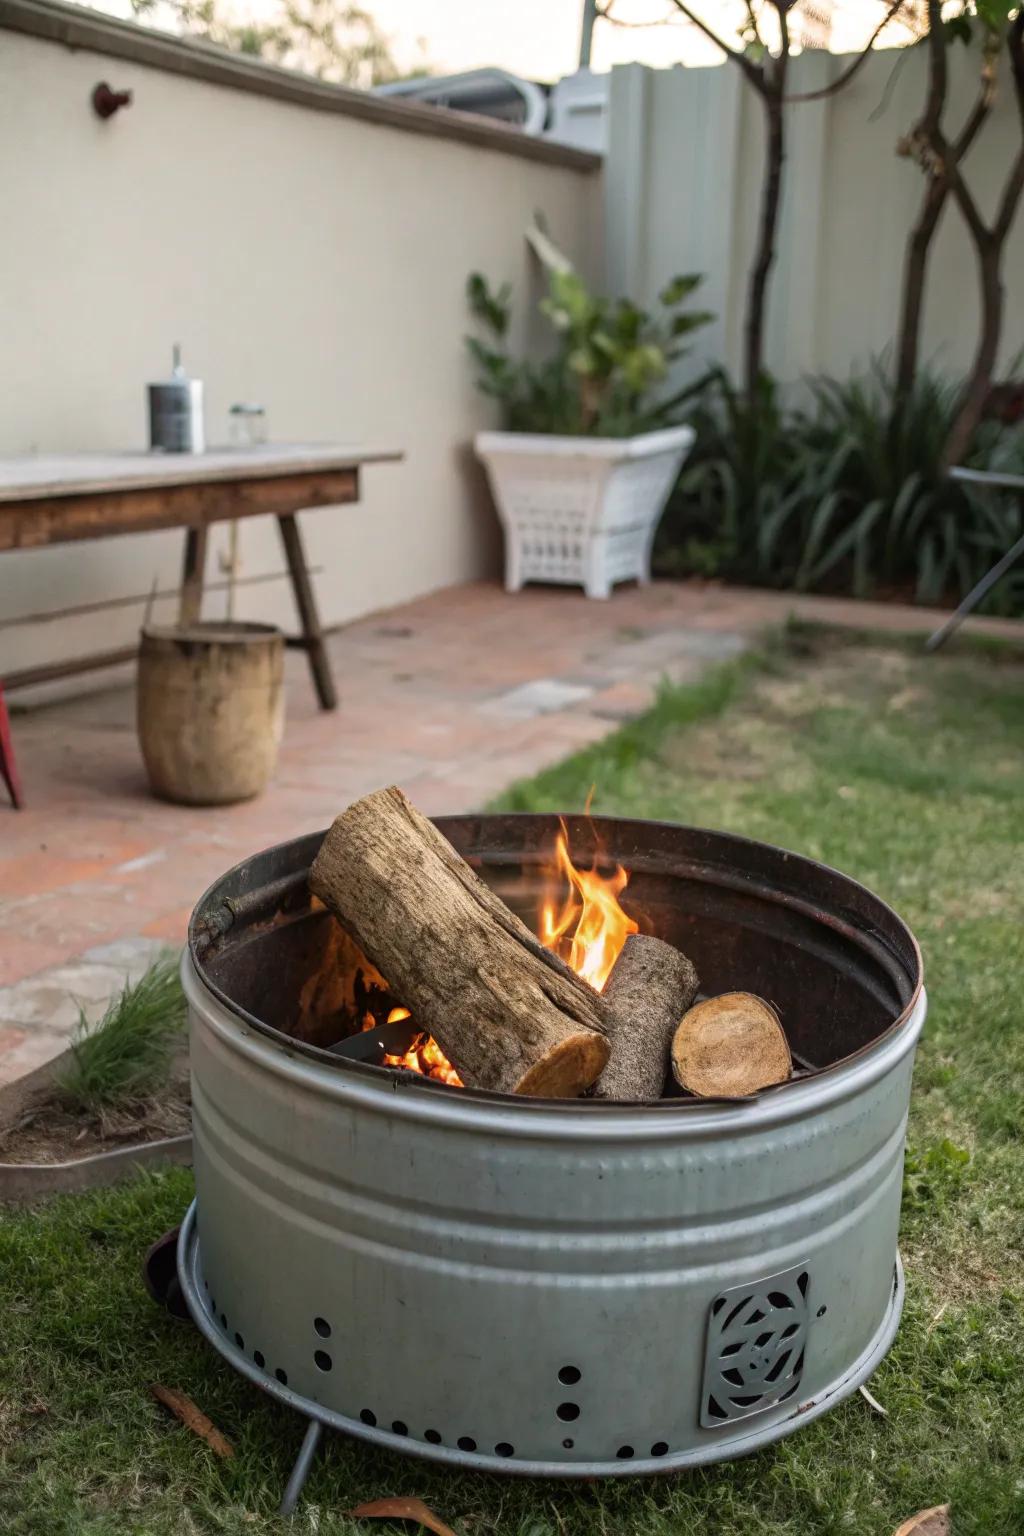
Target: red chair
8,767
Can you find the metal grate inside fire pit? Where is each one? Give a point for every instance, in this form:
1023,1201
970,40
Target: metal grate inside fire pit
562,1288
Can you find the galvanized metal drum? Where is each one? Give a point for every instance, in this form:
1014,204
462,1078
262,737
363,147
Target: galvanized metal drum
557,1288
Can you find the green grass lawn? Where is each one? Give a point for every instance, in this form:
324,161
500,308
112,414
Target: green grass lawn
906,772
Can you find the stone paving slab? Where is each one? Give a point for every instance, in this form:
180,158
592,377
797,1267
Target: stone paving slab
454,696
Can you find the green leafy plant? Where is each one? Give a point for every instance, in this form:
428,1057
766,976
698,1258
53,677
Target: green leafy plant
126,1055
608,360
843,493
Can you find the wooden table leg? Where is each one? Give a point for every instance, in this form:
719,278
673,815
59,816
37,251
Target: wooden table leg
8,767
191,600
312,636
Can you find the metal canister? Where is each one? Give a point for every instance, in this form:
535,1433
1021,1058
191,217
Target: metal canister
176,412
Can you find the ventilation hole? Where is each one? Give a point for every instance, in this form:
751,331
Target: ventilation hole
432,1435
717,1307
206,1285
258,1359
659,1448
781,1301
503,1448
368,1416
793,1328
322,1327
398,1428
282,1376
799,1364
746,1402
569,1375
624,1452
789,1391
802,1281
223,1321
213,1305
466,1443
568,1411
568,1444
779,1366
731,1349
755,1317
322,1360
715,1409
821,1311
239,1341
734,1314
766,1338
733,1376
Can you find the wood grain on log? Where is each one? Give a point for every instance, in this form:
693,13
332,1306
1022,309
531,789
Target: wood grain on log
730,1046
508,1014
650,988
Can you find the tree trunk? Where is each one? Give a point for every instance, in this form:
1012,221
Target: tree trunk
771,197
972,402
915,268
509,1015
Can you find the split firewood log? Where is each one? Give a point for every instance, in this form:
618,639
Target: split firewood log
729,1047
651,985
508,1013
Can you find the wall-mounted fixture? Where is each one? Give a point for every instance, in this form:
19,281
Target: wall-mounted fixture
105,102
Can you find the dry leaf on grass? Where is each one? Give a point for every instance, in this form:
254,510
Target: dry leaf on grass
873,1402
193,1418
402,1509
928,1522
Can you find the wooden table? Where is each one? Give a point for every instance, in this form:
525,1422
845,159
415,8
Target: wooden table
58,499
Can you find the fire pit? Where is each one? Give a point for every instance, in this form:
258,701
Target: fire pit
553,1287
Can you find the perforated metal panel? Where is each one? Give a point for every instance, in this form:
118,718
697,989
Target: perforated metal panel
757,1336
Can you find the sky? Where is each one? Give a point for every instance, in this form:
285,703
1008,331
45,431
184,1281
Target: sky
540,39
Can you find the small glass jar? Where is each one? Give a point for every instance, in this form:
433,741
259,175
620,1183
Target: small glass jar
247,425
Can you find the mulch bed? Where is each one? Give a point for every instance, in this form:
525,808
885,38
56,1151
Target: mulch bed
48,1131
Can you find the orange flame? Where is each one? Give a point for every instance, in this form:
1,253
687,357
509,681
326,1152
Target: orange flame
590,926
592,911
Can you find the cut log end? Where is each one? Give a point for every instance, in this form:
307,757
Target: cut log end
567,1070
730,1047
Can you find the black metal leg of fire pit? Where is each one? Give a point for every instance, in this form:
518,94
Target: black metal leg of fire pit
300,1471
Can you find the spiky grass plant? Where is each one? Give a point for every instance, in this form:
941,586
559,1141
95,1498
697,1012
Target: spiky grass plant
125,1056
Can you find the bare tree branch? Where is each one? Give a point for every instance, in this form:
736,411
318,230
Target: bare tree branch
753,73
851,69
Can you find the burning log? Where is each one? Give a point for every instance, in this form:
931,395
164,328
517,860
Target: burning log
508,1013
650,987
730,1046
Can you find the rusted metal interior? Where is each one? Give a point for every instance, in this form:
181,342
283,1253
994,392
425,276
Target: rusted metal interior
836,962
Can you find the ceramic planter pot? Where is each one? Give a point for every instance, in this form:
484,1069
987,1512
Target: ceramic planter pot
581,510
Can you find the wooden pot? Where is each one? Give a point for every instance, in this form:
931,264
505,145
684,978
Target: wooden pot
210,704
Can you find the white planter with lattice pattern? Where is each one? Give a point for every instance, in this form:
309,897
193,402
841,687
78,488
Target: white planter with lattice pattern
581,510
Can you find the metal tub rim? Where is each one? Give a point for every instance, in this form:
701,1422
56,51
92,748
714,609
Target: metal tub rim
217,914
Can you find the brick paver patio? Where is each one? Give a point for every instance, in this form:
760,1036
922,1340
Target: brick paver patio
454,697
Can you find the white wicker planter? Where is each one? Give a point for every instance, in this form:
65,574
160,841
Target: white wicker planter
581,509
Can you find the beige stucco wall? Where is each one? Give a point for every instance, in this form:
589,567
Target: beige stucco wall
304,259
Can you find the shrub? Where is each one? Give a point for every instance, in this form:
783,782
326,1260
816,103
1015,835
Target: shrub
608,361
844,493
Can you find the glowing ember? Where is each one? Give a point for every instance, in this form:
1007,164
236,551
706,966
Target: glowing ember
424,1055
589,930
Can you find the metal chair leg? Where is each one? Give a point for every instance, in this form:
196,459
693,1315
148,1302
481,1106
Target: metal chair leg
300,1471
974,597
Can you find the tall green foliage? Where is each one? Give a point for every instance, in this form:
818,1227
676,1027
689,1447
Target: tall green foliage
605,368
842,493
